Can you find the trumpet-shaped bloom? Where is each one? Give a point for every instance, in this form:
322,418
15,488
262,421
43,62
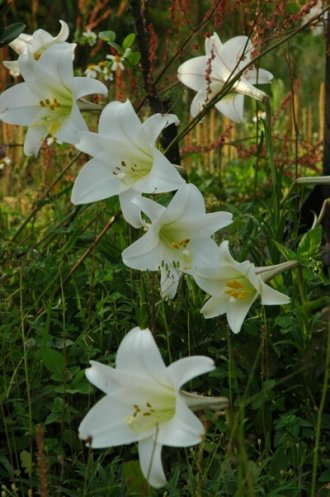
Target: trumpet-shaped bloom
126,161
48,100
143,402
35,44
178,239
234,286
208,74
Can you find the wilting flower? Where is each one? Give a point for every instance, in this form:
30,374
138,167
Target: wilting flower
209,73
35,44
234,286
143,402
48,100
178,239
126,161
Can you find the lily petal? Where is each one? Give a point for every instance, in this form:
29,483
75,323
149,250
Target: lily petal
199,101
163,176
236,52
149,207
139,354
187,368
232,106
151,462
120,120
33,139
215,306
192,73
131,212
94,182
154,125
259,76
91,143
169,281
105,430
188,201
72,126
237,313
183,430
82,86
269,296
144,254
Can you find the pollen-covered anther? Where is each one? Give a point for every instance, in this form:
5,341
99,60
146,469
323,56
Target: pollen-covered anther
236,290
51,104
181,244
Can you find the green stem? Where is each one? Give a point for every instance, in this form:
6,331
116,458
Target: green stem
304,302
276,185
319,416
25,358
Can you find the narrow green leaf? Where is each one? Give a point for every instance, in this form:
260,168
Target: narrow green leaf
11,32
128,41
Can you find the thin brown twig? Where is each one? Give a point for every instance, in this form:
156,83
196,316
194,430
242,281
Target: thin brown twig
88,251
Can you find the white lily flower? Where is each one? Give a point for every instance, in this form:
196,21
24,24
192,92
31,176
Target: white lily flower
178,238
125,160
35,44
48,100
209,73
143,403
234,286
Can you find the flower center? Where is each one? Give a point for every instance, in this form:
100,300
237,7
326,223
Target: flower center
178,243
131,172
239,289
54,113
145,417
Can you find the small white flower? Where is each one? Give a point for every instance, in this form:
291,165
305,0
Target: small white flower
117,62
90,37
178,239
48,100
143,403
126,161
234,286
209,73
91,71
36,44
5,161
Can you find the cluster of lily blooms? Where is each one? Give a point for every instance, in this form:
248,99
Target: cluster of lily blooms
144,401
